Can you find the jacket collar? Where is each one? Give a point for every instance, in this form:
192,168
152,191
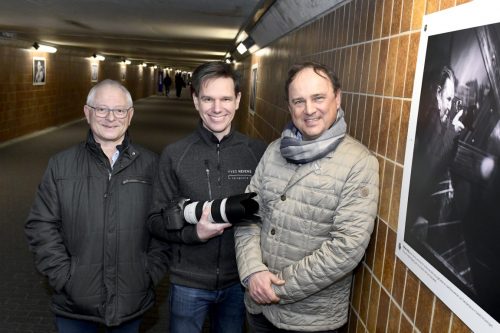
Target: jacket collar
210,138
125,148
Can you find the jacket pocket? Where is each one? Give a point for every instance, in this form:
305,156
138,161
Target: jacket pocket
140,180
69,282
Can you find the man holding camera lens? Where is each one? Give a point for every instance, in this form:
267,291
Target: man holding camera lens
212,163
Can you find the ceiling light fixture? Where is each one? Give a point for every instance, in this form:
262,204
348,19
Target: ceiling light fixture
98,57
245,45
126,62
241,48
44,48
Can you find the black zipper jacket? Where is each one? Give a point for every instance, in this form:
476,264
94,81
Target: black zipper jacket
87,230
201,168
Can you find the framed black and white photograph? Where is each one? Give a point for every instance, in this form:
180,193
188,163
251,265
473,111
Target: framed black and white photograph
94,72
449,218
123,72
39,71
253,88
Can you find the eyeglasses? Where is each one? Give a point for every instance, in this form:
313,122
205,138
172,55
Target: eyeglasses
102,112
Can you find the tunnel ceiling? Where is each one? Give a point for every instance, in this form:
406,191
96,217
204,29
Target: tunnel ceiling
166,32
173,33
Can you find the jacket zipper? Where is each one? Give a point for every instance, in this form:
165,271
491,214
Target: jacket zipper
207,171
218,165
219,240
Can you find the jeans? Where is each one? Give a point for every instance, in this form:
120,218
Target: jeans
189,307
259,324
69,325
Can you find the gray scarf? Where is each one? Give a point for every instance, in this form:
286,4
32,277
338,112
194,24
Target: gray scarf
298,151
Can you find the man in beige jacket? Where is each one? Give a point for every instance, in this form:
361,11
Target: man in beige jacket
318,192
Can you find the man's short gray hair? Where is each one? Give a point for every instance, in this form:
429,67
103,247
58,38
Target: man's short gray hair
109,83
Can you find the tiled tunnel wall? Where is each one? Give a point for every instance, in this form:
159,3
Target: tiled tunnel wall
372,45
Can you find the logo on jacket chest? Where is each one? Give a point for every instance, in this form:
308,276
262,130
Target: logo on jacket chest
239,174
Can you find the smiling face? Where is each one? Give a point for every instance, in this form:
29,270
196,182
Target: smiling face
217,104
109,131
312,102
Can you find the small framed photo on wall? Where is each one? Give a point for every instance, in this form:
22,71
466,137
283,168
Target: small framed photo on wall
39,71
94,72
253,87
123,72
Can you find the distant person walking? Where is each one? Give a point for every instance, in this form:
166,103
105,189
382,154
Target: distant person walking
179,84
167,82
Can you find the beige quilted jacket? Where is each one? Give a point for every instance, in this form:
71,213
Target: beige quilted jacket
316,224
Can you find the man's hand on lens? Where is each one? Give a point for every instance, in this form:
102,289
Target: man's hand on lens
206,229
260,287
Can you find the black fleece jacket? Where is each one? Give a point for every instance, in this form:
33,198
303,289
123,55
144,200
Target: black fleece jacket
201,168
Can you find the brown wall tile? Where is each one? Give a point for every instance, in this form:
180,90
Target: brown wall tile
365,297
374,65
432,6
380,249
378,19
373,306
410,295
441,317
387,18
389,260
406,13
394,318
458,326
396,196
417,14
397,8
444,4
386,191
403,132
424,308
393,133
390,69
382,62
412,63
401,62
399,282
405,326
383,311
385,117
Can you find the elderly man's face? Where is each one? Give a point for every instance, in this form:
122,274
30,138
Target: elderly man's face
109,130
312,103
444,97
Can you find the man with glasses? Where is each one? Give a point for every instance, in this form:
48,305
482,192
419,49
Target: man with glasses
87,226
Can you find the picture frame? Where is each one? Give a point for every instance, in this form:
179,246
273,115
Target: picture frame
94,72
39,69
123,72
448,208
253,89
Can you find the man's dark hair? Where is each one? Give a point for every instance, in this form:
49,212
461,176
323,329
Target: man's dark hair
214,70
318,68
445,74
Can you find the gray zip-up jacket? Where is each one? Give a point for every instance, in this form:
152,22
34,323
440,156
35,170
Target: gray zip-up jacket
87,230
201,168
